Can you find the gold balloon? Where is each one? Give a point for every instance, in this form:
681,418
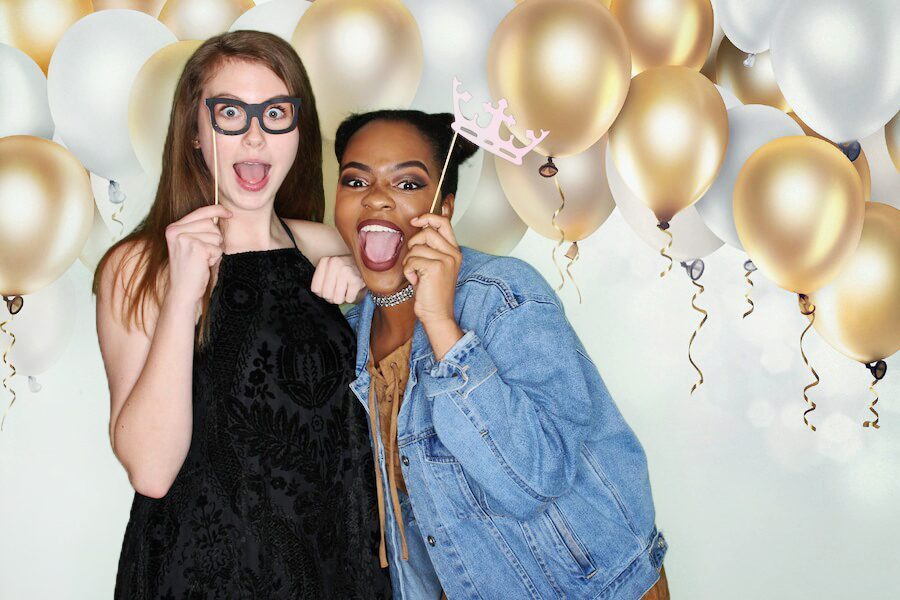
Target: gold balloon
670,138
671,32
798,208
201,19
490,224
35,27
46,212
151,7
564,66
583,181
606,3
861,164
360,55
752,85
150,103
892,139
857,312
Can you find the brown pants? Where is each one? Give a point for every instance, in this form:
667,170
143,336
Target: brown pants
660,591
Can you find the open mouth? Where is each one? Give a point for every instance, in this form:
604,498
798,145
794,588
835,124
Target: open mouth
252,176
379,244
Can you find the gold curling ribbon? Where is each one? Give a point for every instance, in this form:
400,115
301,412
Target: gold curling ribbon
668,246
694,335
747,273
573,255
562,234
12,369
873,424
808,309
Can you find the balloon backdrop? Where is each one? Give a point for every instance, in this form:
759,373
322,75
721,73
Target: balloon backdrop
150,103
691,238
670,138
45,324
98,242
46,211
279,17
90,79
749,128
838,64
857,312
753,85
24,94
554,60
151,7
360,55
490,224
535,198
201,19
892,139
861,164
798,208
37,32
455,37
675,32
123,203
747,23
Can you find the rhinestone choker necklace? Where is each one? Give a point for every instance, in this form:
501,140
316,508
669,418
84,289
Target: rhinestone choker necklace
395,298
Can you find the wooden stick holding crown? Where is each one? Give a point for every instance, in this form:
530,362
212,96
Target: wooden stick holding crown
487,138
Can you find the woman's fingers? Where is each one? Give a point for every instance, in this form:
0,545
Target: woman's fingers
434,239
439,223
205,212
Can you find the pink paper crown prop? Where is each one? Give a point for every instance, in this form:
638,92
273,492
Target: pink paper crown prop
487,138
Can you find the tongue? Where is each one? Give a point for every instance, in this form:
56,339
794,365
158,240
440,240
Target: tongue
380,246
250,173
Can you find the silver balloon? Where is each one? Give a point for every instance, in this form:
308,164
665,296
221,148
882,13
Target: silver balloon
837,64
884,175
490,224
749,127
123,204
455,40
747,23
23,96
98,242
89,81
279,17
691,238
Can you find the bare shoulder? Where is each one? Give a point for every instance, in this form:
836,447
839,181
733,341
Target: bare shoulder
121,269
316,240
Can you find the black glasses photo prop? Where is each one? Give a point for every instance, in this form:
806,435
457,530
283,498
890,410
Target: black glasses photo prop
232,117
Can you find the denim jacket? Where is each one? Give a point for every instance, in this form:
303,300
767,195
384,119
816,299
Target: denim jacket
524,479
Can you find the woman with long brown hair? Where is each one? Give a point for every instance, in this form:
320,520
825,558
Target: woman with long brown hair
228,378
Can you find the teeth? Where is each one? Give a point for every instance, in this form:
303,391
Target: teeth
379,228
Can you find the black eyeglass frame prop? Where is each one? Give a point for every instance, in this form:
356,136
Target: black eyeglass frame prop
253,111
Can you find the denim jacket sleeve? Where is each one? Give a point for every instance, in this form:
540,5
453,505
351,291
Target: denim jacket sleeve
515,405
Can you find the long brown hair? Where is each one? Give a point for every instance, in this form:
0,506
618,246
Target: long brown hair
186,183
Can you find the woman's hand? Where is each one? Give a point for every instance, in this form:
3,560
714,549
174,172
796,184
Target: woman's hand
337,280
195,245
432,266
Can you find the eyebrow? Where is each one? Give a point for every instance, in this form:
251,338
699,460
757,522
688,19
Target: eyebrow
226,95
397,167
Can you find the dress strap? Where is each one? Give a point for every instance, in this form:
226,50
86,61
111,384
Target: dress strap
288,231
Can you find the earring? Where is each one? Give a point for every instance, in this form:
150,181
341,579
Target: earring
196,143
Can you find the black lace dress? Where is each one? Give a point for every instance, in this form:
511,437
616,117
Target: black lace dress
276,498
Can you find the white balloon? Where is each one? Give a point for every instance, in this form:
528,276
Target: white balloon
89,81
44,326
134,196
23,96
99,241
279,17
837,64
455,40
747,23
691,238
490,224
749,127
885,176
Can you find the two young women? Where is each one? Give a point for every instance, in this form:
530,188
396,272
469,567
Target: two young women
503,468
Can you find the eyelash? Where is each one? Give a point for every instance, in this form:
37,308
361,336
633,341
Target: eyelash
350,180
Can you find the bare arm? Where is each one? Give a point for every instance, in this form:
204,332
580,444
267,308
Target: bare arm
150,374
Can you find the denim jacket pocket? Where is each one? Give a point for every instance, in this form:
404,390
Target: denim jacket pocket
446,470
569,540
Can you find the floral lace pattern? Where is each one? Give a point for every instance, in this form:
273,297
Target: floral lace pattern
276,498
